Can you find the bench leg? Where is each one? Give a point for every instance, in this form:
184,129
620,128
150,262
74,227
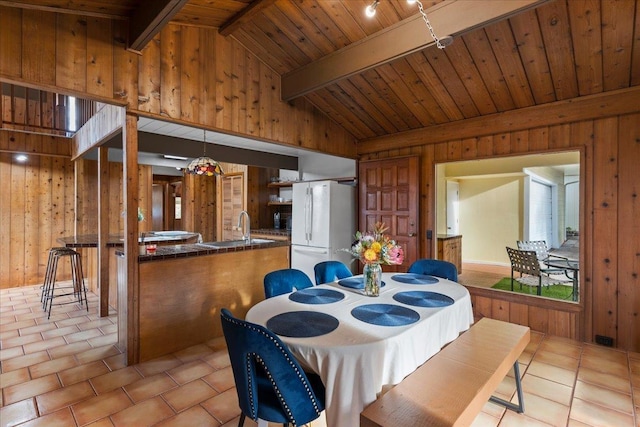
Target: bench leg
519,408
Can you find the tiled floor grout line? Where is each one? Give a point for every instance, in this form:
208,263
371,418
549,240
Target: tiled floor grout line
575,384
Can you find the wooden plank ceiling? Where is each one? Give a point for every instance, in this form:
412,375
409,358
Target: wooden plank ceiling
559,50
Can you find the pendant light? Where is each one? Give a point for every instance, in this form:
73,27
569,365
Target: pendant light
204,165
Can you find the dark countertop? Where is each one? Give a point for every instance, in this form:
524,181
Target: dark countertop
273,232
91,240
197,249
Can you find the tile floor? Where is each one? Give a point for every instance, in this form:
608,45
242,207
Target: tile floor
66,371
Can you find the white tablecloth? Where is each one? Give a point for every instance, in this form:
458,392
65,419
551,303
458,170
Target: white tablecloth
357,359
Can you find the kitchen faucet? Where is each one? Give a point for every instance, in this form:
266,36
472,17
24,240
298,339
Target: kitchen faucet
247,225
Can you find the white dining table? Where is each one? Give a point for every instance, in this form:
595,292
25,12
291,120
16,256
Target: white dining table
357,358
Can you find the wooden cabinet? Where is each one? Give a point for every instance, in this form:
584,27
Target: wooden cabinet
450,249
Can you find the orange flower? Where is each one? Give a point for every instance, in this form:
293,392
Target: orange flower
370,255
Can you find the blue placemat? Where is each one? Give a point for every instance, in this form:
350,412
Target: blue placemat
302,324
385,314
415,279
316,296
423,299
354,282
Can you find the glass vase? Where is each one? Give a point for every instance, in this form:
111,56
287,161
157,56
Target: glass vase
372,276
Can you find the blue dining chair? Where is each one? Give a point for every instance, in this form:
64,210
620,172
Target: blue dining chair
330,271
270,383
435,267
284,281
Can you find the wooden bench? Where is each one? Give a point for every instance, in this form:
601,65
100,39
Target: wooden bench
451,388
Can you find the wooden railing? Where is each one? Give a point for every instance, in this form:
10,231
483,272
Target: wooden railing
33,110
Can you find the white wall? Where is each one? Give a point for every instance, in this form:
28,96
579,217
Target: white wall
490,217
316,166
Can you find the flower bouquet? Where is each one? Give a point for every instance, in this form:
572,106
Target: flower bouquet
374,248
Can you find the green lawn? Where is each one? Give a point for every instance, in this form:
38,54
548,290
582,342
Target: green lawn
553,291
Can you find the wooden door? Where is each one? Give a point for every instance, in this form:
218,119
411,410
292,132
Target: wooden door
158,207
389,193
232,205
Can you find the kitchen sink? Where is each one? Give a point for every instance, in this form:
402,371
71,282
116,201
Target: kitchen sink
234,243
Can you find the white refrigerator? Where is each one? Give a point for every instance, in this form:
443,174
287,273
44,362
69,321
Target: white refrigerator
323,221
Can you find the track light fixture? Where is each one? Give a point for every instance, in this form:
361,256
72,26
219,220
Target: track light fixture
443,42
370,11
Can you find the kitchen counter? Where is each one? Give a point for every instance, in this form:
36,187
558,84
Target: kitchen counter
163,237
86,243
181,290
196,249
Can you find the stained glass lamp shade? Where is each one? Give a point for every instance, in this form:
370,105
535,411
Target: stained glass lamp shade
205,165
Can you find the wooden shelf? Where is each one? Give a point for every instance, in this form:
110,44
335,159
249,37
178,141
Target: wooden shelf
280,184
279,203
287,184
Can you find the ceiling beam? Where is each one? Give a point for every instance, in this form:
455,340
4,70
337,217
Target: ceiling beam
246,15
148,19
449,18
589,107
56,9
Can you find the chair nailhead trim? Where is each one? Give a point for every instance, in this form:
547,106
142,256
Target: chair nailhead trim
257,357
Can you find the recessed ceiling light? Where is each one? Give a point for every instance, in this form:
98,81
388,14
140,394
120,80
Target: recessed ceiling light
22,158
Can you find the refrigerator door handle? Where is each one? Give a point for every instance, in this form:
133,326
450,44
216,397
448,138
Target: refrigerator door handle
307,215
310,214
310,250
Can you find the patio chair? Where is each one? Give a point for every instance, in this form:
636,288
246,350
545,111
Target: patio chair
545,258
435,267
531,273
330,271
270,384
541,249
284,281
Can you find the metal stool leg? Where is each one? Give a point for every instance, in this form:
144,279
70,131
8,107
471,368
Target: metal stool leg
78,280
79,291
52,285
48,275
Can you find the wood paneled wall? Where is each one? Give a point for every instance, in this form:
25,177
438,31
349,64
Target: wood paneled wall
610,230
41,202
187,74
36,208
87,200
20,142
199,205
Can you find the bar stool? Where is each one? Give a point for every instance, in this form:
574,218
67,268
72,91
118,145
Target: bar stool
48,275
77,288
